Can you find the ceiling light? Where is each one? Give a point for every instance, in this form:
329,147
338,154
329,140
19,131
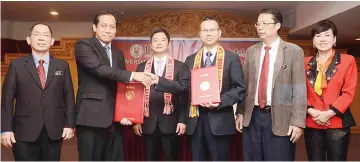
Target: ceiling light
357,39
54,13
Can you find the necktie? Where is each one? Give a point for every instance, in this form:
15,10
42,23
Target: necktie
159,70
107,49
208,60
263,82
41,73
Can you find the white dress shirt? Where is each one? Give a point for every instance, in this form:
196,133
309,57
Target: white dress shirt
163,64
272,58
110,54
110,57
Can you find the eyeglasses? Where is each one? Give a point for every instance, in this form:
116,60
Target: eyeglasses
46,35
258,24
209,30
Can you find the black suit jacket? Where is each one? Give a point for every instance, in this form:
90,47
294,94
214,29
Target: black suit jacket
53,107
167,123
221,119
95,100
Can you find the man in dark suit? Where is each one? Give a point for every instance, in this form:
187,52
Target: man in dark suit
210,125
100,66
272,115
45,109
163,120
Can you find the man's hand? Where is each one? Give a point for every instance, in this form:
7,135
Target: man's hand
7,139
137,129
125,121
180,129
154,78
210,105
142,78
68,133
294,133
238,122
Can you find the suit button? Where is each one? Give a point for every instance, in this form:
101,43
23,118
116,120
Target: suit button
43,95
44,109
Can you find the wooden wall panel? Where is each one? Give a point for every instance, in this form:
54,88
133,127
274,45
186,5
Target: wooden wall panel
179,24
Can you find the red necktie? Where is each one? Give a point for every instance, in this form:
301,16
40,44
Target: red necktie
41,73
263,82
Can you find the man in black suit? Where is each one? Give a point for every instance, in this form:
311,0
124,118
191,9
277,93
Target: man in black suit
45,108
163,120
100,66
211,125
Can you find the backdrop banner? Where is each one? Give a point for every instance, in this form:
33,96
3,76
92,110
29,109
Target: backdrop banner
137,50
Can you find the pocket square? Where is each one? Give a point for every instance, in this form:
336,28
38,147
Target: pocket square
58,73
283,66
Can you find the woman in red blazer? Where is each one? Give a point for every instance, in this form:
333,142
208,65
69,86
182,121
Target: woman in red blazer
331,84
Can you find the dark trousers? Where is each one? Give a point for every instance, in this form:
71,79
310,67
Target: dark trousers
43,148
259,142
100,144
154,142
205,144
328,144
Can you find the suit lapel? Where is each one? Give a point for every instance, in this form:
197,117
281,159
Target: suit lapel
30,65
257,57
312,71
114,56
331,70
51,71
279,61
101,50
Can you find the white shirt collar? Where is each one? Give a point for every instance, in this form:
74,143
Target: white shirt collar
163,59
104,44
213,51
274,46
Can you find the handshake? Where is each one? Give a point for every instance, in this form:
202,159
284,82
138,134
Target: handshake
145,78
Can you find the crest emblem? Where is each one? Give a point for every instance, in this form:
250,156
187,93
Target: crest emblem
136,50
130,95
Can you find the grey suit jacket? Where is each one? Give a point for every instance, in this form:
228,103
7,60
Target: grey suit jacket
288,89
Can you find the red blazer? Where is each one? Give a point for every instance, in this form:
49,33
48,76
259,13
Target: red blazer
341,77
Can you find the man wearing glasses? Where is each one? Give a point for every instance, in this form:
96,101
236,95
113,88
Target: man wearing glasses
272,114
44,113
210,125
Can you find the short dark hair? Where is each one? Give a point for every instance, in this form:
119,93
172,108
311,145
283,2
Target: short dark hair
101,13
160,30
277,16
32,28
322,26
208,18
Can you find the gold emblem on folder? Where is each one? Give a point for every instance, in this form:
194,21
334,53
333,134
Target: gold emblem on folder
130,95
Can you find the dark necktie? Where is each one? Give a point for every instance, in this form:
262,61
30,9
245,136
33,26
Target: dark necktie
41,73
107,49
208,59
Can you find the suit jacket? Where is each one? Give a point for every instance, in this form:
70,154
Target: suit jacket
95,100
288,103
221,119
341,77
53,107
167,123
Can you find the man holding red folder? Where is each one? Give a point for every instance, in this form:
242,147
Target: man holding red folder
164,114
210,125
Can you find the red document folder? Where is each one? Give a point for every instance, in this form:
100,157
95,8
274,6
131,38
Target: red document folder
204,85
130,102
